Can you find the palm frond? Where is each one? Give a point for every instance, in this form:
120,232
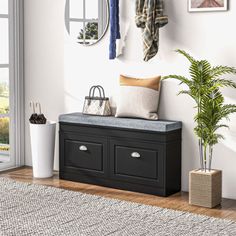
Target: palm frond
227,109
219,136
200,73
182,52
204,87
220,126
187,92
225,83
182,79
222,70
194,70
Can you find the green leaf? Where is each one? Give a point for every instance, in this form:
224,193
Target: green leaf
182,79
204,87
222,70
182,52
225,83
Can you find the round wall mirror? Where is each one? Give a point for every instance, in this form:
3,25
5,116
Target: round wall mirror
87,20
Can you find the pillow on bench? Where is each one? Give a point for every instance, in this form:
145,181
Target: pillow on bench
138,97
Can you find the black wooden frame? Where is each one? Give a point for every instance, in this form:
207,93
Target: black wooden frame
167,146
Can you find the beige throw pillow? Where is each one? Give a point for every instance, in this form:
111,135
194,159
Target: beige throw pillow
138,97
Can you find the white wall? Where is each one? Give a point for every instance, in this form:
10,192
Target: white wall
44,60
204,35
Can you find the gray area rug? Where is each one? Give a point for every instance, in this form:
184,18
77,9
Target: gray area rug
28,209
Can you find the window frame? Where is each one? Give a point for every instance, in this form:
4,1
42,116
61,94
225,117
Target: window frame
16,84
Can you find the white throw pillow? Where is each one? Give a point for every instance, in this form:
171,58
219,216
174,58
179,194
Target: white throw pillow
138,98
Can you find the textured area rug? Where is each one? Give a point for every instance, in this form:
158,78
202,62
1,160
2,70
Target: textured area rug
28,209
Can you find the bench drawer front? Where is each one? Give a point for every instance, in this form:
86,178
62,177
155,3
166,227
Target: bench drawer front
137,162
83,153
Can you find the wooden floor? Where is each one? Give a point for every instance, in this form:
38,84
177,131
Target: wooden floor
178,201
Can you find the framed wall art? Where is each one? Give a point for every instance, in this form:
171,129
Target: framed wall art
207,5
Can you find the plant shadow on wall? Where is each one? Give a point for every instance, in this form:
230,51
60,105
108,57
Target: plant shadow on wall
204,88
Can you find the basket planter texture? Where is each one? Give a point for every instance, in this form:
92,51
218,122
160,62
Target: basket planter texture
205,188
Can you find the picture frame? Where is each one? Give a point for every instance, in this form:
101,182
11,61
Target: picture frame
207,5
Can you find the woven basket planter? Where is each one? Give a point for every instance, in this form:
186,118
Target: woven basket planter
205,188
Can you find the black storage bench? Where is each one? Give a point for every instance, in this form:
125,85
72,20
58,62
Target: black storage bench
130,154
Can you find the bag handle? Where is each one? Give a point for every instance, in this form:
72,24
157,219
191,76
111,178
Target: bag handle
91,90
99,90
102,89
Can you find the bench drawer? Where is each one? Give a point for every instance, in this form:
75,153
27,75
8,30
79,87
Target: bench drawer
84,153
137,162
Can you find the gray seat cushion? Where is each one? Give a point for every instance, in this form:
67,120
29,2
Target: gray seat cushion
123,123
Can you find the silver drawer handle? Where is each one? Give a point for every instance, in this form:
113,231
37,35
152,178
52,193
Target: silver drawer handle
83,148
135,155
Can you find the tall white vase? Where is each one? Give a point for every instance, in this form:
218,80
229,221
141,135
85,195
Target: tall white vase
42,137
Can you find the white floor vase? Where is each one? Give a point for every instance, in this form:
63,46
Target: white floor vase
42,137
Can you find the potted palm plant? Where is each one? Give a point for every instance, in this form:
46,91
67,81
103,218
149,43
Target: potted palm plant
203,86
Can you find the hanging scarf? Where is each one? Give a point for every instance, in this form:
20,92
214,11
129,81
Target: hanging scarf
149,17
114,27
